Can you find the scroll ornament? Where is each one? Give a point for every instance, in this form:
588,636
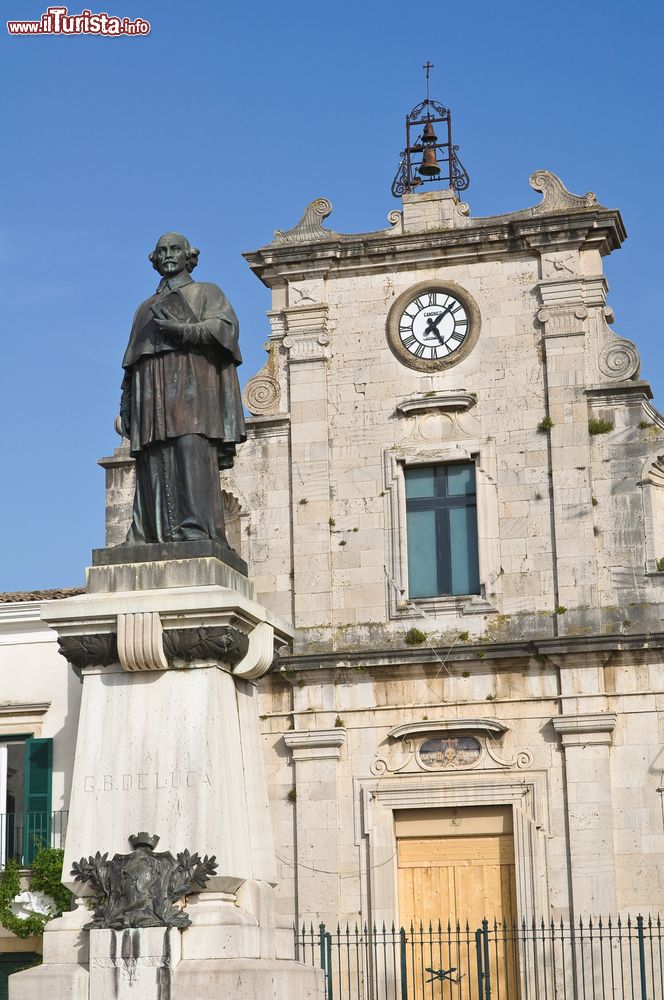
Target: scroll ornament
262,394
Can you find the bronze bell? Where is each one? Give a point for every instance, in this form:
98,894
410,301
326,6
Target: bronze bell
429,135
429,165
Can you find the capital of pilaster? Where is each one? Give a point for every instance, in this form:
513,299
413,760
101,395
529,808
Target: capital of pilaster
306,337
306,317
315,744
277,324
577,290
583,730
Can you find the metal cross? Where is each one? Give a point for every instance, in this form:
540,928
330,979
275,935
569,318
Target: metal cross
428,66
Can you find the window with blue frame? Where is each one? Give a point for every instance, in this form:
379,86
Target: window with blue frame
441,512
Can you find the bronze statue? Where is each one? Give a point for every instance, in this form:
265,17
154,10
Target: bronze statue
181,408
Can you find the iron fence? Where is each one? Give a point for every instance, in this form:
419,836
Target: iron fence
612,959
22,835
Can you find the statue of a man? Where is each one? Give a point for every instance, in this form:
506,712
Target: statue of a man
181,407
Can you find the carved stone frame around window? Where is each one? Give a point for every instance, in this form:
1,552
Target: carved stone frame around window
399,604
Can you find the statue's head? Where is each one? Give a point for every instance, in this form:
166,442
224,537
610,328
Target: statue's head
173,254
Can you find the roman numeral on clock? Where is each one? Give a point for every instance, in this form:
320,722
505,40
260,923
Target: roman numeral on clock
409,342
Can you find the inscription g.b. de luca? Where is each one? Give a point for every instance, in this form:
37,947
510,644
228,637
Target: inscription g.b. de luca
145,781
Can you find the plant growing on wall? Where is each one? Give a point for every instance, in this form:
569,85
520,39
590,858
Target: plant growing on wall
599,426
415,636
25,912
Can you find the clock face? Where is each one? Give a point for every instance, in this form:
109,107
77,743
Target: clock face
433,325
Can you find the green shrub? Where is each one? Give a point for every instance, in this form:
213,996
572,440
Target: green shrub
46,877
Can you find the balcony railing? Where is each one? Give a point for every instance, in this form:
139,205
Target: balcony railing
22,835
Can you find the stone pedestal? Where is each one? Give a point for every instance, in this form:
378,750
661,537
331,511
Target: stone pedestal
134,964
169,743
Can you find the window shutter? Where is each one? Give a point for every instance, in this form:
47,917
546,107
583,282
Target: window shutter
38,778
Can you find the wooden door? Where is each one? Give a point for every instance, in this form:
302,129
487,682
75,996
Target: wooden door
461,872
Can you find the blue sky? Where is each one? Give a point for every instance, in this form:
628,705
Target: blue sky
224,123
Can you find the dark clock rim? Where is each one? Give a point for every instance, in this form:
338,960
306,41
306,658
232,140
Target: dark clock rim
403,355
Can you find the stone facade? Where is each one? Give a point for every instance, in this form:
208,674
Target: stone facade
555,669
562,647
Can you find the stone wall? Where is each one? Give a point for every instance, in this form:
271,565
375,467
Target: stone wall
580,762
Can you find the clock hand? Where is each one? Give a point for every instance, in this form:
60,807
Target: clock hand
432,324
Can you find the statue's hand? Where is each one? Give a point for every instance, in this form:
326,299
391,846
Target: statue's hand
123,420
122,426
168,323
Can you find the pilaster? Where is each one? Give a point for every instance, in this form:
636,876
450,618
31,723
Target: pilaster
586,741
564,319
315,757
307,343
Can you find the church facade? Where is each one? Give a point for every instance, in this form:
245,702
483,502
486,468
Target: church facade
453,488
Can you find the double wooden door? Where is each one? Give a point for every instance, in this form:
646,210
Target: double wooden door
456,867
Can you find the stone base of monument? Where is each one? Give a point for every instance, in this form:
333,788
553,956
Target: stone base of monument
204,962
169,745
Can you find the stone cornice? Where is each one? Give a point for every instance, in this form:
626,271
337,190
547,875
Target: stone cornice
20,622
23,710
395,659
21,718
452,402
492,726
615,392
478,240
268,425
20,612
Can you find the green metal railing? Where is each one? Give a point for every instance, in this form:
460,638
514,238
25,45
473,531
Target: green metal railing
23,834
613,959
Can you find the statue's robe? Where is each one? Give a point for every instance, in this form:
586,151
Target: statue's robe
185,413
